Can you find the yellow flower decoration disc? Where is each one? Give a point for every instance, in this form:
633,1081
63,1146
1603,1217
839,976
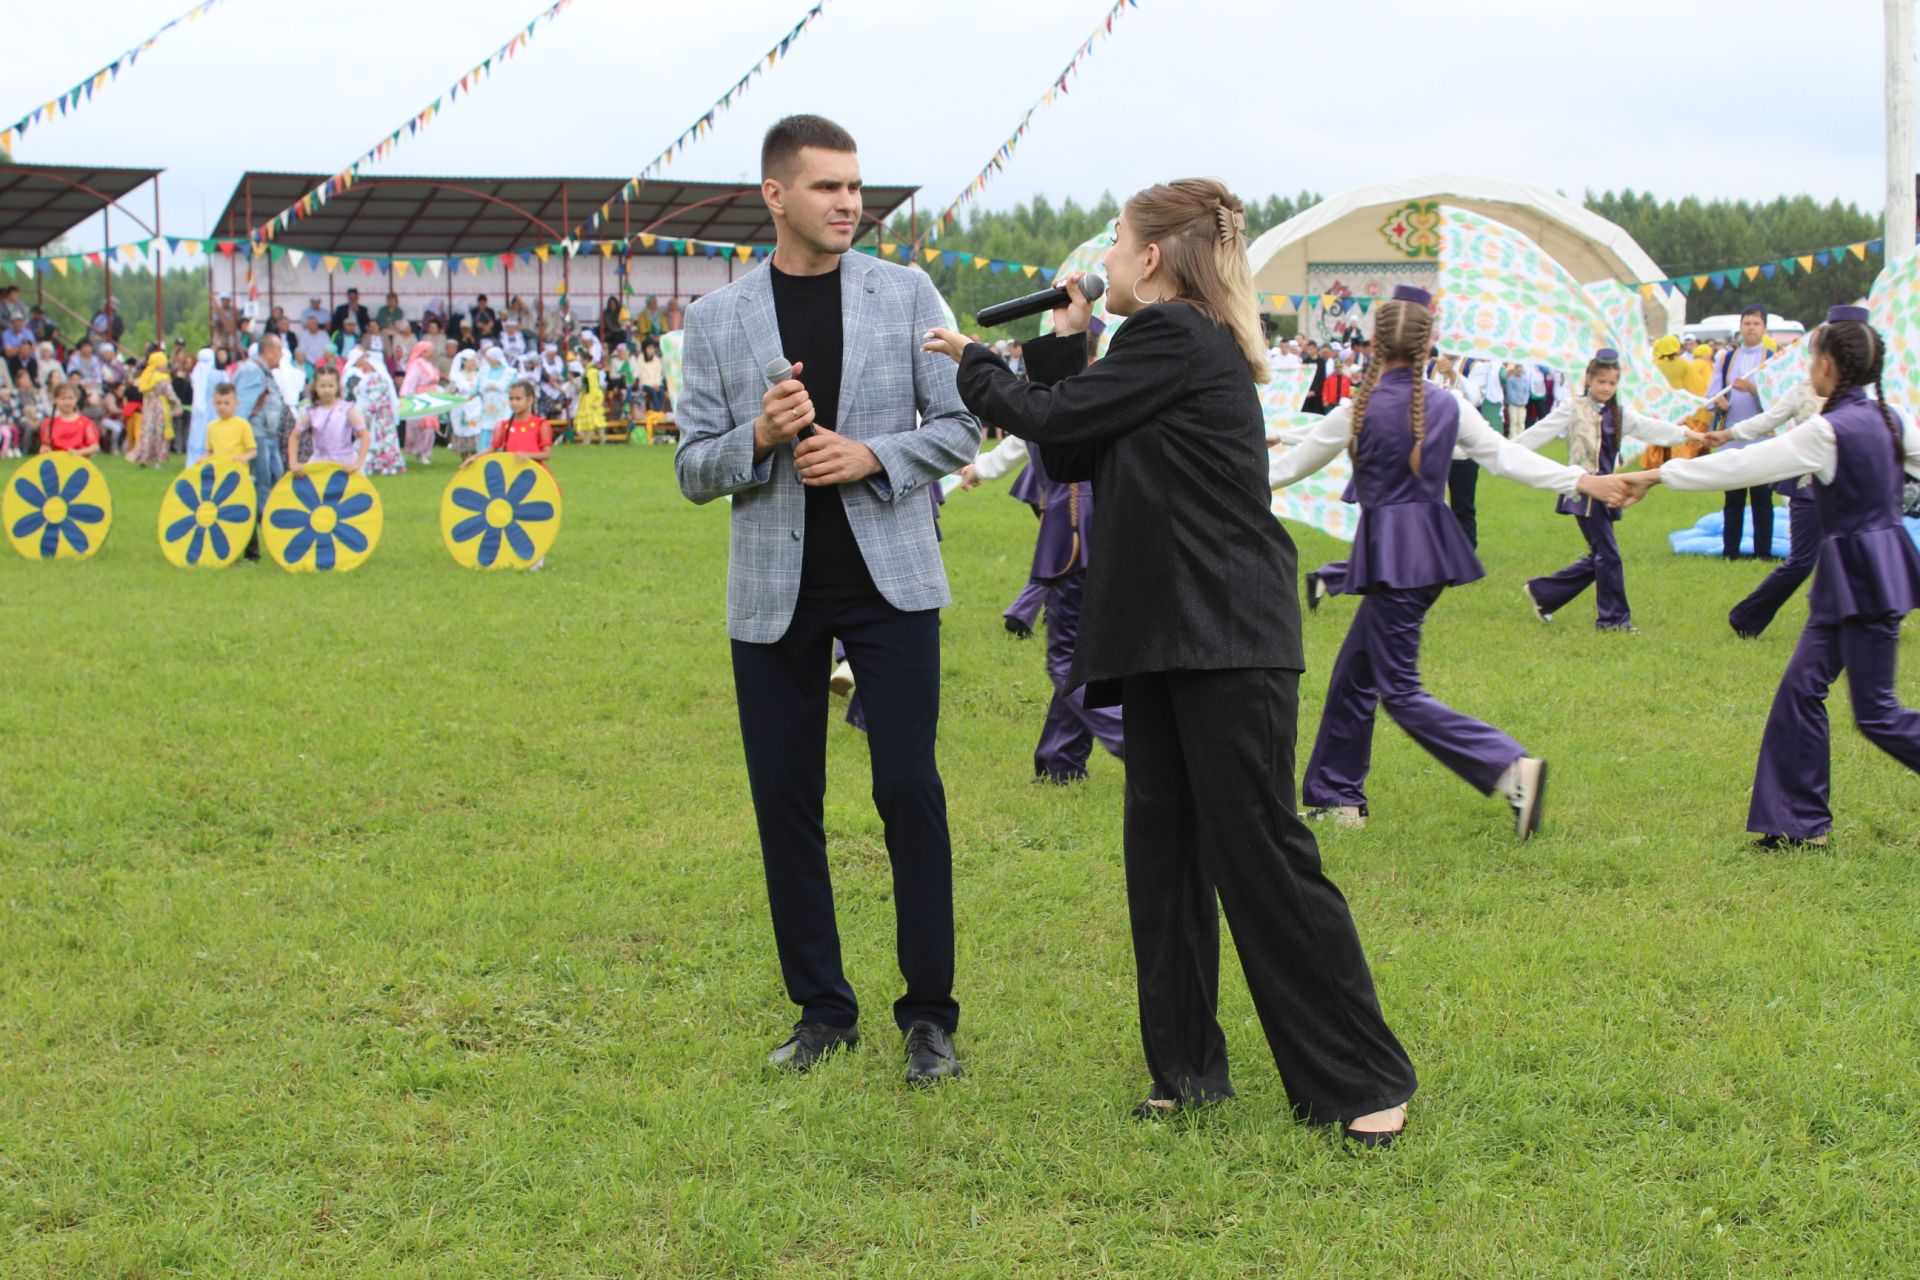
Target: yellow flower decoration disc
56,507
206,515
502,512
326,521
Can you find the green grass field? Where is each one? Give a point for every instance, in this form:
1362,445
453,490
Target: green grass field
411,923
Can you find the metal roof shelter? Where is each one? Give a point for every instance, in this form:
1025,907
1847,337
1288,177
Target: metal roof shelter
449,217
39,203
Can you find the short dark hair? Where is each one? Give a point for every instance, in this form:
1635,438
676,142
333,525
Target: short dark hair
781,147
1754,309
225,389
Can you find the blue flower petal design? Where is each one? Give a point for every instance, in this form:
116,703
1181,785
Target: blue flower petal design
218,537
233,513
69,526
303,489
522,486
226,489
350,538
533,512
469,500
181,528
489,548
302,542
469,529
198,544
285,519
185,492
322,552
517,539
358,505
495,473
336,488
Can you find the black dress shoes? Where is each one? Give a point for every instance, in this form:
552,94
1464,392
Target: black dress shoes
809,1043
930,1056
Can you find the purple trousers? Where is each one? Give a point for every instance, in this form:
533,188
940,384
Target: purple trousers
1067,737
1600,567
1025,609
1794,777
1753,614
1380,664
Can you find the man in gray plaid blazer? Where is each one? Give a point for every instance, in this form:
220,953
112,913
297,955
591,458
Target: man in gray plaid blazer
833,537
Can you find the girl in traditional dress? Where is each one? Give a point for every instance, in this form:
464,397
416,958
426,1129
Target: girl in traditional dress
590,418
496,378
422,376
464,377
1595,423
1866,580
372,390
206,372
336,430
1401,434
157,403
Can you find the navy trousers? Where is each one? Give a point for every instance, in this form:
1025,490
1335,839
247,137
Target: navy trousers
782,691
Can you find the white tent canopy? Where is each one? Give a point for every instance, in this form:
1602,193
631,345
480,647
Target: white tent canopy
1355,234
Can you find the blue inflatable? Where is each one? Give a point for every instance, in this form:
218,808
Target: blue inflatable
1703,539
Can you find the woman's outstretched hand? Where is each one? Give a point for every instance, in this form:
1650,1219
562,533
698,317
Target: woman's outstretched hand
945,342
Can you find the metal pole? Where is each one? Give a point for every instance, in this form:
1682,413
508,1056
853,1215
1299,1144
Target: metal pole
159,276
106,234
1900,108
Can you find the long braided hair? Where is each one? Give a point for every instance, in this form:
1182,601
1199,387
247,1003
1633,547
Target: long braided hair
1402,334
1859,355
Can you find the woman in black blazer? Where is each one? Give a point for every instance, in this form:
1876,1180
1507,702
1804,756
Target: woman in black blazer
1190,622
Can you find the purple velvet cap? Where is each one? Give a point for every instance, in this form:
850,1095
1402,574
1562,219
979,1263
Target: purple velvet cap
1412,293
1846,315
1606,355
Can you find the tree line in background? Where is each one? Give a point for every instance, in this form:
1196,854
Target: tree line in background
1683,236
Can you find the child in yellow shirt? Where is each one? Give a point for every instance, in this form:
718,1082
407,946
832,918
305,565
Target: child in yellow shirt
229,438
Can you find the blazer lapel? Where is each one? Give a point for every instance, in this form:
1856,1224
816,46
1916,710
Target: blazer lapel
856,329
757,320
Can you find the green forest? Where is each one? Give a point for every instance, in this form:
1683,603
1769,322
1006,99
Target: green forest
1688,235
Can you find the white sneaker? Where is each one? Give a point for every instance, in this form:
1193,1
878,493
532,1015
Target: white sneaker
841,681
1538,612
1353,816
1528,795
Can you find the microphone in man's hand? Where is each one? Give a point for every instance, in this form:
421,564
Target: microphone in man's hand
778,370
1034,303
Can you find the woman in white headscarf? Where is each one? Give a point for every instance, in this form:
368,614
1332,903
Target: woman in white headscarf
205,373
464,378
496,379
378,399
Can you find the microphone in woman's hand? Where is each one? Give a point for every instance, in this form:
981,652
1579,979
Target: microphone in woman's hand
1091,285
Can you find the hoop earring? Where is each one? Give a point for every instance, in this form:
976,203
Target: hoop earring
1140,301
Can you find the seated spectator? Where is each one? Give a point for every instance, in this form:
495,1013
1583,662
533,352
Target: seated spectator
350,310
84,365
310,345
485,322
391,314
107,324
16,344
651,377
513,341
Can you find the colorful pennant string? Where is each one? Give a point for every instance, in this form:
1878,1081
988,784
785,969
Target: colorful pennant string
702,126
84,91
483,70
1001,156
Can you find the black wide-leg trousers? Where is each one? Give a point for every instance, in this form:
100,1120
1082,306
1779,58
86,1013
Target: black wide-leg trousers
1210,811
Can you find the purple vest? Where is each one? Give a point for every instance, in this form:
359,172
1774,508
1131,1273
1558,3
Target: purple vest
1408,536
1868,566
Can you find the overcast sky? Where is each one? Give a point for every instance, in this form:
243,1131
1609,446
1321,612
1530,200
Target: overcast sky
1754,99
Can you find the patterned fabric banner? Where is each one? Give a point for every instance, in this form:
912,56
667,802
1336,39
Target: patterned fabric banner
84,91
1502,297
1894,307
703,126
341,181
1641,384
1314,501
1001,157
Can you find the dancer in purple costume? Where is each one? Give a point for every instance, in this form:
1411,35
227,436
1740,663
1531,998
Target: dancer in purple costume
1866,576
1409,547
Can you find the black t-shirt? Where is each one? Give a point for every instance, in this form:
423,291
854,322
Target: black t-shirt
807,309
